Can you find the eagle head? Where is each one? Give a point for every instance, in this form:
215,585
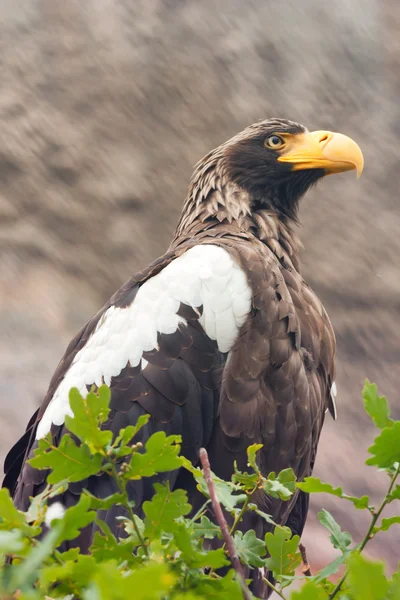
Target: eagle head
276,161
268,166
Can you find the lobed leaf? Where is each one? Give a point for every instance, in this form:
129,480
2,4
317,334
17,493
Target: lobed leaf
11,542
331,568
123,441
72,574
192,555
340,539
395,494
313,485
250,549
310,591
37,507
386,448
10,517
376,406
162,510
150,582
206,529
67,461
282,486
394,587
252,456
227,492
283,550
161,454
387,523
89,414
106,547
76,518
366,578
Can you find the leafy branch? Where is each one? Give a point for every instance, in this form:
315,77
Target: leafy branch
165,553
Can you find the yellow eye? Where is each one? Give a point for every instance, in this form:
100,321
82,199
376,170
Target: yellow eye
274,141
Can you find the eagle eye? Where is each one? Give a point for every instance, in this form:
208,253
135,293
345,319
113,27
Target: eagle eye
274,141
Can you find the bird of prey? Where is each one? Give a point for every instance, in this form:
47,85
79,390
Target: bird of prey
220,340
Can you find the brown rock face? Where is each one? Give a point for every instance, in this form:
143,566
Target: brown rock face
104,108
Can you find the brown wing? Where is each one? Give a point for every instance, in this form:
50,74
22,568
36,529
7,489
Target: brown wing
177,388
277,380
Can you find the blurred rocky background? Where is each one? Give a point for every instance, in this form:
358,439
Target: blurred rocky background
105,105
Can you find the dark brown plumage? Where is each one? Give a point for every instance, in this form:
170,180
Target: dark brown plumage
273,386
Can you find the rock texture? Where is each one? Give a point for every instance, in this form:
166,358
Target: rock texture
105,105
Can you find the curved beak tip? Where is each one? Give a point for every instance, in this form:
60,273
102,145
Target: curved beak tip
332,152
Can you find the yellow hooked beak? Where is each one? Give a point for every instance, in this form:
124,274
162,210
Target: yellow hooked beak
333,152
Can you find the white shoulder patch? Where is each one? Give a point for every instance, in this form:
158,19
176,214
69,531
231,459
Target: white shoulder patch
206,275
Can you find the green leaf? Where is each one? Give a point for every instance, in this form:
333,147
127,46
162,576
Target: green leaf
387,523
249,548
212,559
331,568
76,518
359,503
26,572
131,531
375,405
106,547
262,514
161,455
215,589
283,550
386,447
89,414
11,517
150,582
394,587
313,485
247,481
282,486
38,505
206,529
194,556
123,443
69,575
310,591
395,494
225,490
366,578
340,539
11,541
104,503
252,456
162,510
67,461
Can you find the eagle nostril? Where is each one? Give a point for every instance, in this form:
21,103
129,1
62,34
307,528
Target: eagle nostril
324,138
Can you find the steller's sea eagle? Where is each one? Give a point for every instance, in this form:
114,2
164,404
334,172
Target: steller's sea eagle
220,340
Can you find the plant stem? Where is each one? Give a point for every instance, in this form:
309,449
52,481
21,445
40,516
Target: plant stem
200,512
274,588
238,518
219,515
122,488
368,535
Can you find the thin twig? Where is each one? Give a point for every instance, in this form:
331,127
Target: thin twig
122,488
200,512
239,517
368,536
219,515
273,587
306,567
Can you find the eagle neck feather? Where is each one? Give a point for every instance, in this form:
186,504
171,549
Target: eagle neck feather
221,207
